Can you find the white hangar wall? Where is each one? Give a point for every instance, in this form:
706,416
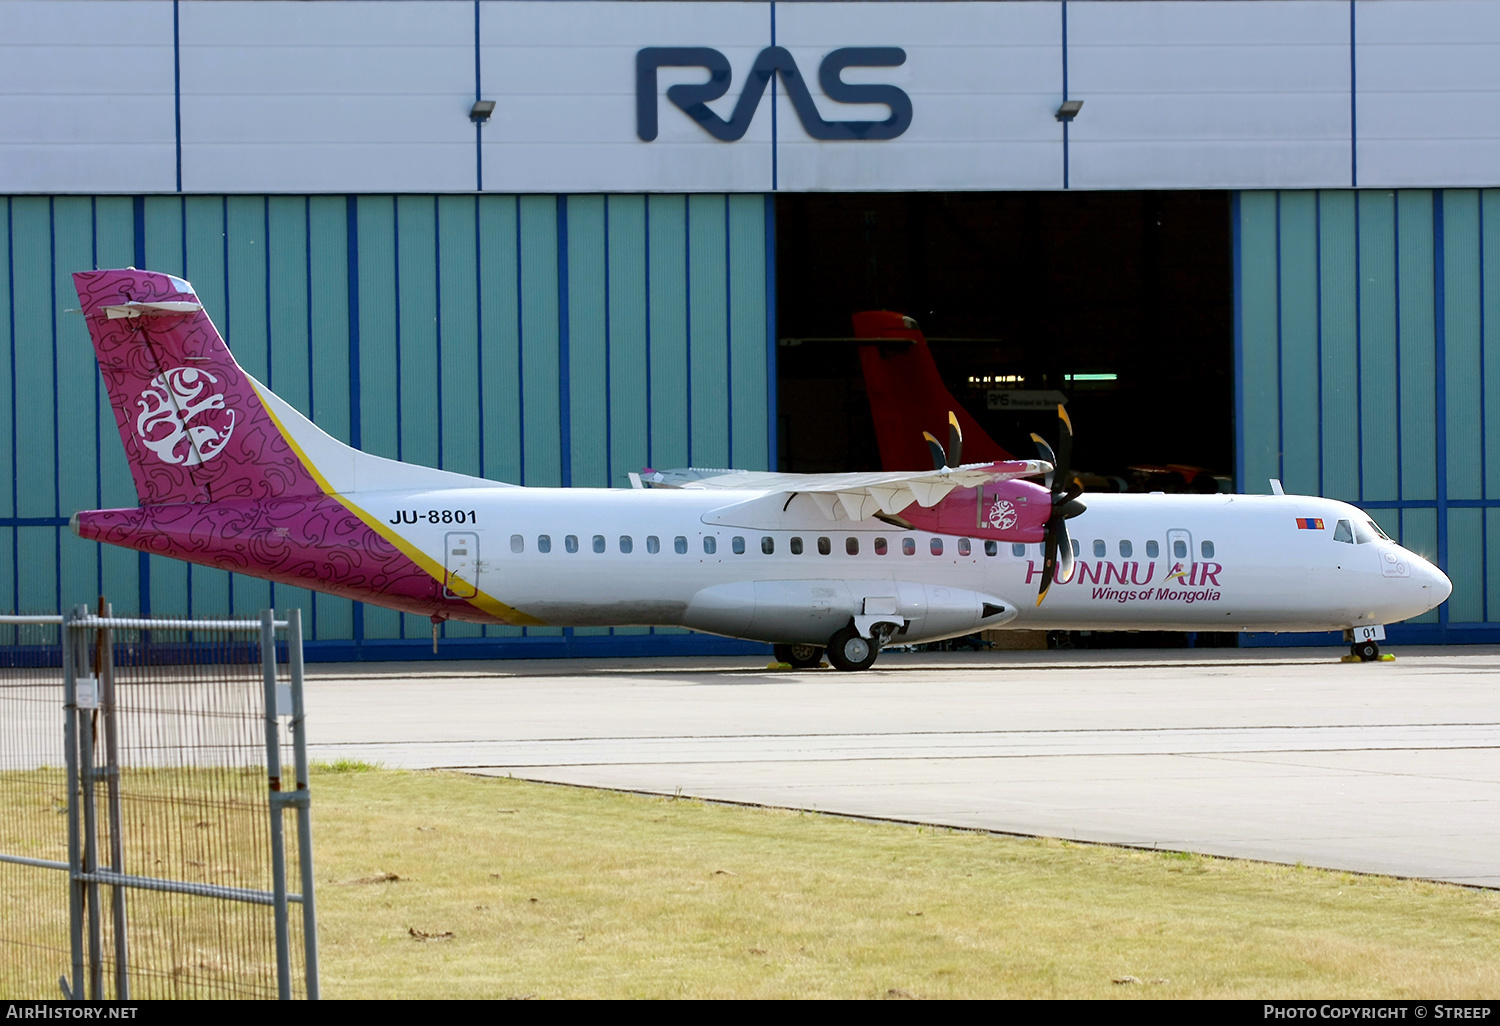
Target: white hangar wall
288,97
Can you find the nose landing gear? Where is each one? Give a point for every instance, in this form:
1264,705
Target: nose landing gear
1363,645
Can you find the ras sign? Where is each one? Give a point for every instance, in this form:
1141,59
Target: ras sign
693,100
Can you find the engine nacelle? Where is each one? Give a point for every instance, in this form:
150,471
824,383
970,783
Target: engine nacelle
1011,511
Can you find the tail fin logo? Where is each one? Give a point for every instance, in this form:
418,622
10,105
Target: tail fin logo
171,401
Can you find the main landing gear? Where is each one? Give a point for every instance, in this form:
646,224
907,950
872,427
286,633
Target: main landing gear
801,657
848,651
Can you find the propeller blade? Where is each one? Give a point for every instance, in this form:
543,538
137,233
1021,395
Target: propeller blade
955,440
939,458
1064,445
1049,562
1064,550
1074,491
1047,454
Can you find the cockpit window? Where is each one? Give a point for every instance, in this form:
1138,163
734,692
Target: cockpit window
1378,532
1342,533
1362,533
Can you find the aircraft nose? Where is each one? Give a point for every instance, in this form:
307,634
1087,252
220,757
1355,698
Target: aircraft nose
1437,584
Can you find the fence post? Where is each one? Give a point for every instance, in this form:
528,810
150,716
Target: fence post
304,803
72,989
104,672
273,773
88,775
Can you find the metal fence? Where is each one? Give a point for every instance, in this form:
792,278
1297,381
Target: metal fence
143,759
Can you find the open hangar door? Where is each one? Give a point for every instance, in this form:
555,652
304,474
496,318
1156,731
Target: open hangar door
1123,302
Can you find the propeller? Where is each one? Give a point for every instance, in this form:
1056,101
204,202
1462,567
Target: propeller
954,456
1057,548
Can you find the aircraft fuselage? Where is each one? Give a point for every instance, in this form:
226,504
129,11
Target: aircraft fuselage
666,557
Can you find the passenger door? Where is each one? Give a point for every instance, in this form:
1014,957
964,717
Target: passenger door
461,564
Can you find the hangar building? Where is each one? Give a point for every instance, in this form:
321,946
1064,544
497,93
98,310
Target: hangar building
1257,247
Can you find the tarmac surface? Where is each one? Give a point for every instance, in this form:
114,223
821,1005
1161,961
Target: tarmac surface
1285,755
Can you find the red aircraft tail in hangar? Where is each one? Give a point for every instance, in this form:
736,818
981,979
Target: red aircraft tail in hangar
908,397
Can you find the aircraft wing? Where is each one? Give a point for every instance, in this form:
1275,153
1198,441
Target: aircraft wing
856,496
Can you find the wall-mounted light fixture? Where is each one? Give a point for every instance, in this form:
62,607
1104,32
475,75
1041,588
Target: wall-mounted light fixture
481,111
1069,110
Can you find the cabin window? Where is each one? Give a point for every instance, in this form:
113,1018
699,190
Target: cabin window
881,547
936,545
796,545
1152,550
1179,549
653,544
1126,549
679,545
544,543
517,543
908,546
824,546
1016,549
598,543
1076,548
851,546
1207,548
768,545
571,543
992,547
1099,548
738,545
710,546
625,543
963,547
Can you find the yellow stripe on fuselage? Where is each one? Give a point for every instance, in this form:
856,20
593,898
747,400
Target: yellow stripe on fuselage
481,601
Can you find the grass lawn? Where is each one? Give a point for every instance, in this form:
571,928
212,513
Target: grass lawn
437,885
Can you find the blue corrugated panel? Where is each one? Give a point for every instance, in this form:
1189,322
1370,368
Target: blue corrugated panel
588,343
1378,374
667,332
629,373
1416,344
1300,406
1260,421
1338,302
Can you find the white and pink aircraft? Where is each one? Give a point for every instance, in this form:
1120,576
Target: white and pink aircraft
231,476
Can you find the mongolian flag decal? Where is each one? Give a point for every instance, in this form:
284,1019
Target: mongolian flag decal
1309,524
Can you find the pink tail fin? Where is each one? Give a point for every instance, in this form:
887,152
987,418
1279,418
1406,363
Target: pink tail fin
194,427
907,395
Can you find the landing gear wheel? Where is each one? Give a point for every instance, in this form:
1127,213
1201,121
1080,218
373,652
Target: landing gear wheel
801,657
848,651
1366,651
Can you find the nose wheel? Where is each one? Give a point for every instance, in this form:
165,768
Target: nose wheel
1365,651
